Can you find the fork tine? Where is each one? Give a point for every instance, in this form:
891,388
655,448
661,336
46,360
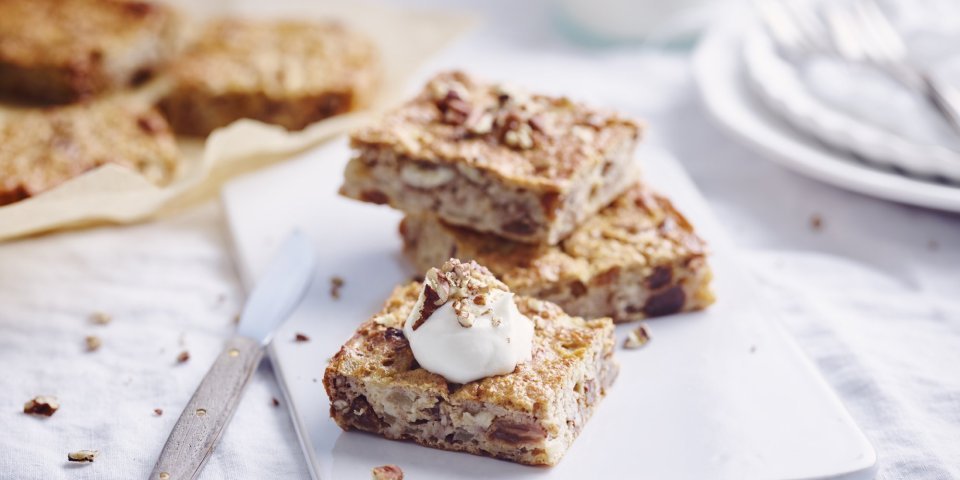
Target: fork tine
809,23
882,30
779,24
847,37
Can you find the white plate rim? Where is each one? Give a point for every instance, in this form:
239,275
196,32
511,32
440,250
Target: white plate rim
718,72
779,85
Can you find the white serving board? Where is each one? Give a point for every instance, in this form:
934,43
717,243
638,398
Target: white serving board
719,394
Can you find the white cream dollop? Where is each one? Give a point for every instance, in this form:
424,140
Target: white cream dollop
499,339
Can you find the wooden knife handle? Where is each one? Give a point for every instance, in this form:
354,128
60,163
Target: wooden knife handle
209,410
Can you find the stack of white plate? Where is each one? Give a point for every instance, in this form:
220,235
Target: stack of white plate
842,123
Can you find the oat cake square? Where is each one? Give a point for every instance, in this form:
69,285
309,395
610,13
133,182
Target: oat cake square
495,159
290,73
635,259
42,148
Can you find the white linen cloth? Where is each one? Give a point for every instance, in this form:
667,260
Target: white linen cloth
872,296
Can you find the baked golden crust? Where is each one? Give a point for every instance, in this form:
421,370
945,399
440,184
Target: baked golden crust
528,410
532,141
64,50
525,167
637,258
39,149
286,72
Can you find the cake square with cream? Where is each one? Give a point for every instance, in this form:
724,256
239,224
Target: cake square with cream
532,374
493,158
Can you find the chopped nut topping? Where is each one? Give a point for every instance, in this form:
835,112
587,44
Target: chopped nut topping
183,357
158,411
480,124
440,284
82,456
387,472
299,337
452,89
463,283
585,135
463,316
93,343
453,101
512,119
430,305
100,318
637,337
539,123
386,319
520,138
41,405
511,96
336,283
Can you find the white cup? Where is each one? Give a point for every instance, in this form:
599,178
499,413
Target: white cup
624,21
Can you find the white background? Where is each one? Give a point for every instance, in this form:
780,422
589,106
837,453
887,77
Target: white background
872,296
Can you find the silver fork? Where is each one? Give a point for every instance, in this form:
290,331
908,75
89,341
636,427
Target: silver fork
857,31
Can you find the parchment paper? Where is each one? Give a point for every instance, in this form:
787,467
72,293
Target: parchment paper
113,194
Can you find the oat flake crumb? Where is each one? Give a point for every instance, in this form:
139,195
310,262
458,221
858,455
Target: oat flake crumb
387,472
100,318
82,456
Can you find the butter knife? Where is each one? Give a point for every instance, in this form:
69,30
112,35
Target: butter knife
273,299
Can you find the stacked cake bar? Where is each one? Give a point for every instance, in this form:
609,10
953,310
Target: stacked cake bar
543,195
543,191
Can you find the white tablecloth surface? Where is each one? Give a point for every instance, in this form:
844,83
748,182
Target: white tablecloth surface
873,297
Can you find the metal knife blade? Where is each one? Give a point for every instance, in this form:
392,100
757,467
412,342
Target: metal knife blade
279,289
276,294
